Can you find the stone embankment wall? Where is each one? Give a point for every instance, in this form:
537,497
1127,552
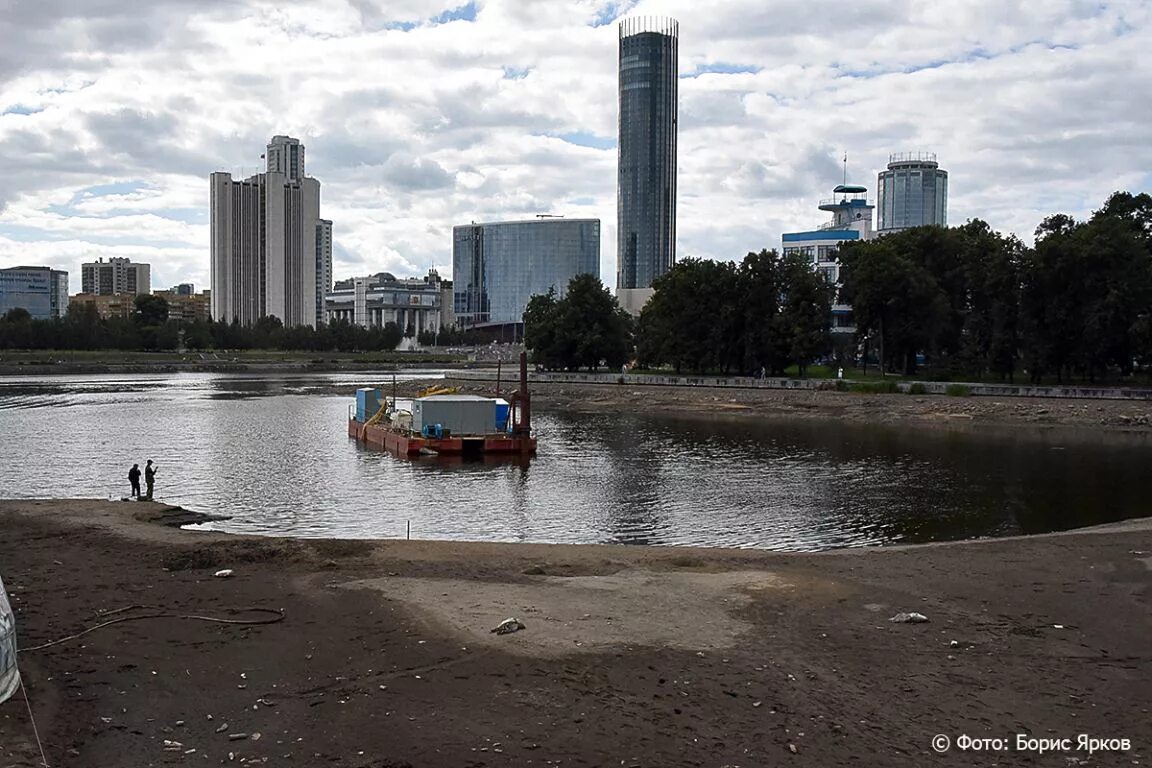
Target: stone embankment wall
747,382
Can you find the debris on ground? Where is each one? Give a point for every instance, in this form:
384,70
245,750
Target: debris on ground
909,618
508,626
223,574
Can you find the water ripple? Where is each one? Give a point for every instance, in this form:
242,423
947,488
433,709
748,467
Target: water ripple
272,452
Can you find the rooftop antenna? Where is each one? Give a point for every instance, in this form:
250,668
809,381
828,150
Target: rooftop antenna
845,168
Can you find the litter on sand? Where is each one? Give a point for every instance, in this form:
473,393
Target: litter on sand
508,626
223,574
909,618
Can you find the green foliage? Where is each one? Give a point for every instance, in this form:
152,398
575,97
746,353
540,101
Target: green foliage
1087,290
958,390
82,329
974,302
885,387
151,310
766,313
916,388
585,329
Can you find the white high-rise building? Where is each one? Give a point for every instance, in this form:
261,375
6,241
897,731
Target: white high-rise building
115,277
323,265
265,252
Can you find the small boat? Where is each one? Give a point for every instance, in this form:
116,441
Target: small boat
446,423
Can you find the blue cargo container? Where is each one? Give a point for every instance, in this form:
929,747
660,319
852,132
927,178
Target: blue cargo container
368,402
502,424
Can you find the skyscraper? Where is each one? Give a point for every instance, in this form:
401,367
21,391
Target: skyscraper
323,266
913,192
264,241
646,182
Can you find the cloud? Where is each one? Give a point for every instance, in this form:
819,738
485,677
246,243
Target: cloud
422,114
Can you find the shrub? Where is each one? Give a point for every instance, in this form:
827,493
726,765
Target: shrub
917,389
958,390
888,386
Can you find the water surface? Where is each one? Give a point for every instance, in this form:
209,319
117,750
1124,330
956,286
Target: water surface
273,452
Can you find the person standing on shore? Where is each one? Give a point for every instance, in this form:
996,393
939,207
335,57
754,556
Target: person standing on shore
149,478
134,478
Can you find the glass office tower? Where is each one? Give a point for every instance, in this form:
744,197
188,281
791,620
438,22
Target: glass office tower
913,192
646,183
498,267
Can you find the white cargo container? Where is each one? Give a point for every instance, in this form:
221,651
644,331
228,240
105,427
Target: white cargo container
458,415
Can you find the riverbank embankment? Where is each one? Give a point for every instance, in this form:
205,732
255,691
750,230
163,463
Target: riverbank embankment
631,655
248,361
1130,415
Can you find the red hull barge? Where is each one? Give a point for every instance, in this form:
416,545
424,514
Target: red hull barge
400,432
375,436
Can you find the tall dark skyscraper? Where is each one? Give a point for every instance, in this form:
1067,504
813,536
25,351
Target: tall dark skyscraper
646,182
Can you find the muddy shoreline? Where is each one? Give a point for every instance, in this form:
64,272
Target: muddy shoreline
632,655
937,411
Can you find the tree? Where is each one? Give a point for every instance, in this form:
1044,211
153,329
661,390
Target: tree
541,330
894,297
593,328
805,311
1086,287
694,318
151,310
584,329
765,342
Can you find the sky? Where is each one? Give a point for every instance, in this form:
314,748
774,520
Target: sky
419,115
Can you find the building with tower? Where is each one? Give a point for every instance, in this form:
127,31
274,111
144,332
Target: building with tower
913,192
271,251
851,221
646,173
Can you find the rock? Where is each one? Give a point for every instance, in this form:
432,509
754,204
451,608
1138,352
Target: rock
222,728
909,618
792,749
508,626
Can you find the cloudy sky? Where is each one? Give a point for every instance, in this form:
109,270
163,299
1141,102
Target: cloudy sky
421,114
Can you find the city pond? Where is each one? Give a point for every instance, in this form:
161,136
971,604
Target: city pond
271,451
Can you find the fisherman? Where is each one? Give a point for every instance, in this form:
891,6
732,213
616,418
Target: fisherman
149,478
134,478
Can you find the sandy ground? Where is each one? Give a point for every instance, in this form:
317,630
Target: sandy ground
632,656
926,410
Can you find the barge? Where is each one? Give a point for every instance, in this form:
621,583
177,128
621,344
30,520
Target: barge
446,424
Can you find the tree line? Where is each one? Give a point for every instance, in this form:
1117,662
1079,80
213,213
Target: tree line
958,302
973,302
149,328
764,314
